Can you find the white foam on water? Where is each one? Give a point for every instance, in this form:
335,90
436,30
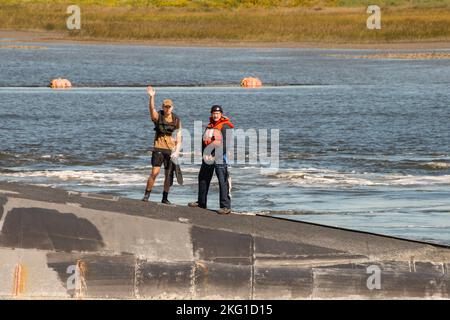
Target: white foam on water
117,178
406,180
323,177
307,177
190,169
98,178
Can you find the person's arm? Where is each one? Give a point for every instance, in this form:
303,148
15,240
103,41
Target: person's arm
151,105
178,141
220,140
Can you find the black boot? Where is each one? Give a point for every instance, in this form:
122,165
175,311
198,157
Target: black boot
164,199
146,195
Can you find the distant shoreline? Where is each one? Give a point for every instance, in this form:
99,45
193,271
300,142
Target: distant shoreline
13,37
402,27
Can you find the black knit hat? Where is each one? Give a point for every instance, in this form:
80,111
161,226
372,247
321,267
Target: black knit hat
216,107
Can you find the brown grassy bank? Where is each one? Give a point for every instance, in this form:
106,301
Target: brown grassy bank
339,25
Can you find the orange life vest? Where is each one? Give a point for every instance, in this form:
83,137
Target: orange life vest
213,132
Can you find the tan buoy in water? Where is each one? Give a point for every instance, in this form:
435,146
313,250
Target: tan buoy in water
60,83
251,82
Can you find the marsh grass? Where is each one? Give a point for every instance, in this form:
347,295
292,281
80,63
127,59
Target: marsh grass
260,24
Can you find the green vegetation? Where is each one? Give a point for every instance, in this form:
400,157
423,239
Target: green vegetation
235,20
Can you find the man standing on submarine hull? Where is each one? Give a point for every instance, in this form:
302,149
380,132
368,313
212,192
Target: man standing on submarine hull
214,150
165,149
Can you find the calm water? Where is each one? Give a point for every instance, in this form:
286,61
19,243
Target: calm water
364,144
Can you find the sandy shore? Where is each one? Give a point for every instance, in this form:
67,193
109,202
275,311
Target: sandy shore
9,37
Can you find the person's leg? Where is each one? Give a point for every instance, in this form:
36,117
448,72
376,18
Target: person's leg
204,180
150,182
222,176
167,181
167,178
157,160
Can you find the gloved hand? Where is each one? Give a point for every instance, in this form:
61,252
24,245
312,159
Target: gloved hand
174,157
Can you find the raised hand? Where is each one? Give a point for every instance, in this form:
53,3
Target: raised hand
151,92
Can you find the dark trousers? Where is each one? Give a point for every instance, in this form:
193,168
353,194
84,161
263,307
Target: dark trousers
204,180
